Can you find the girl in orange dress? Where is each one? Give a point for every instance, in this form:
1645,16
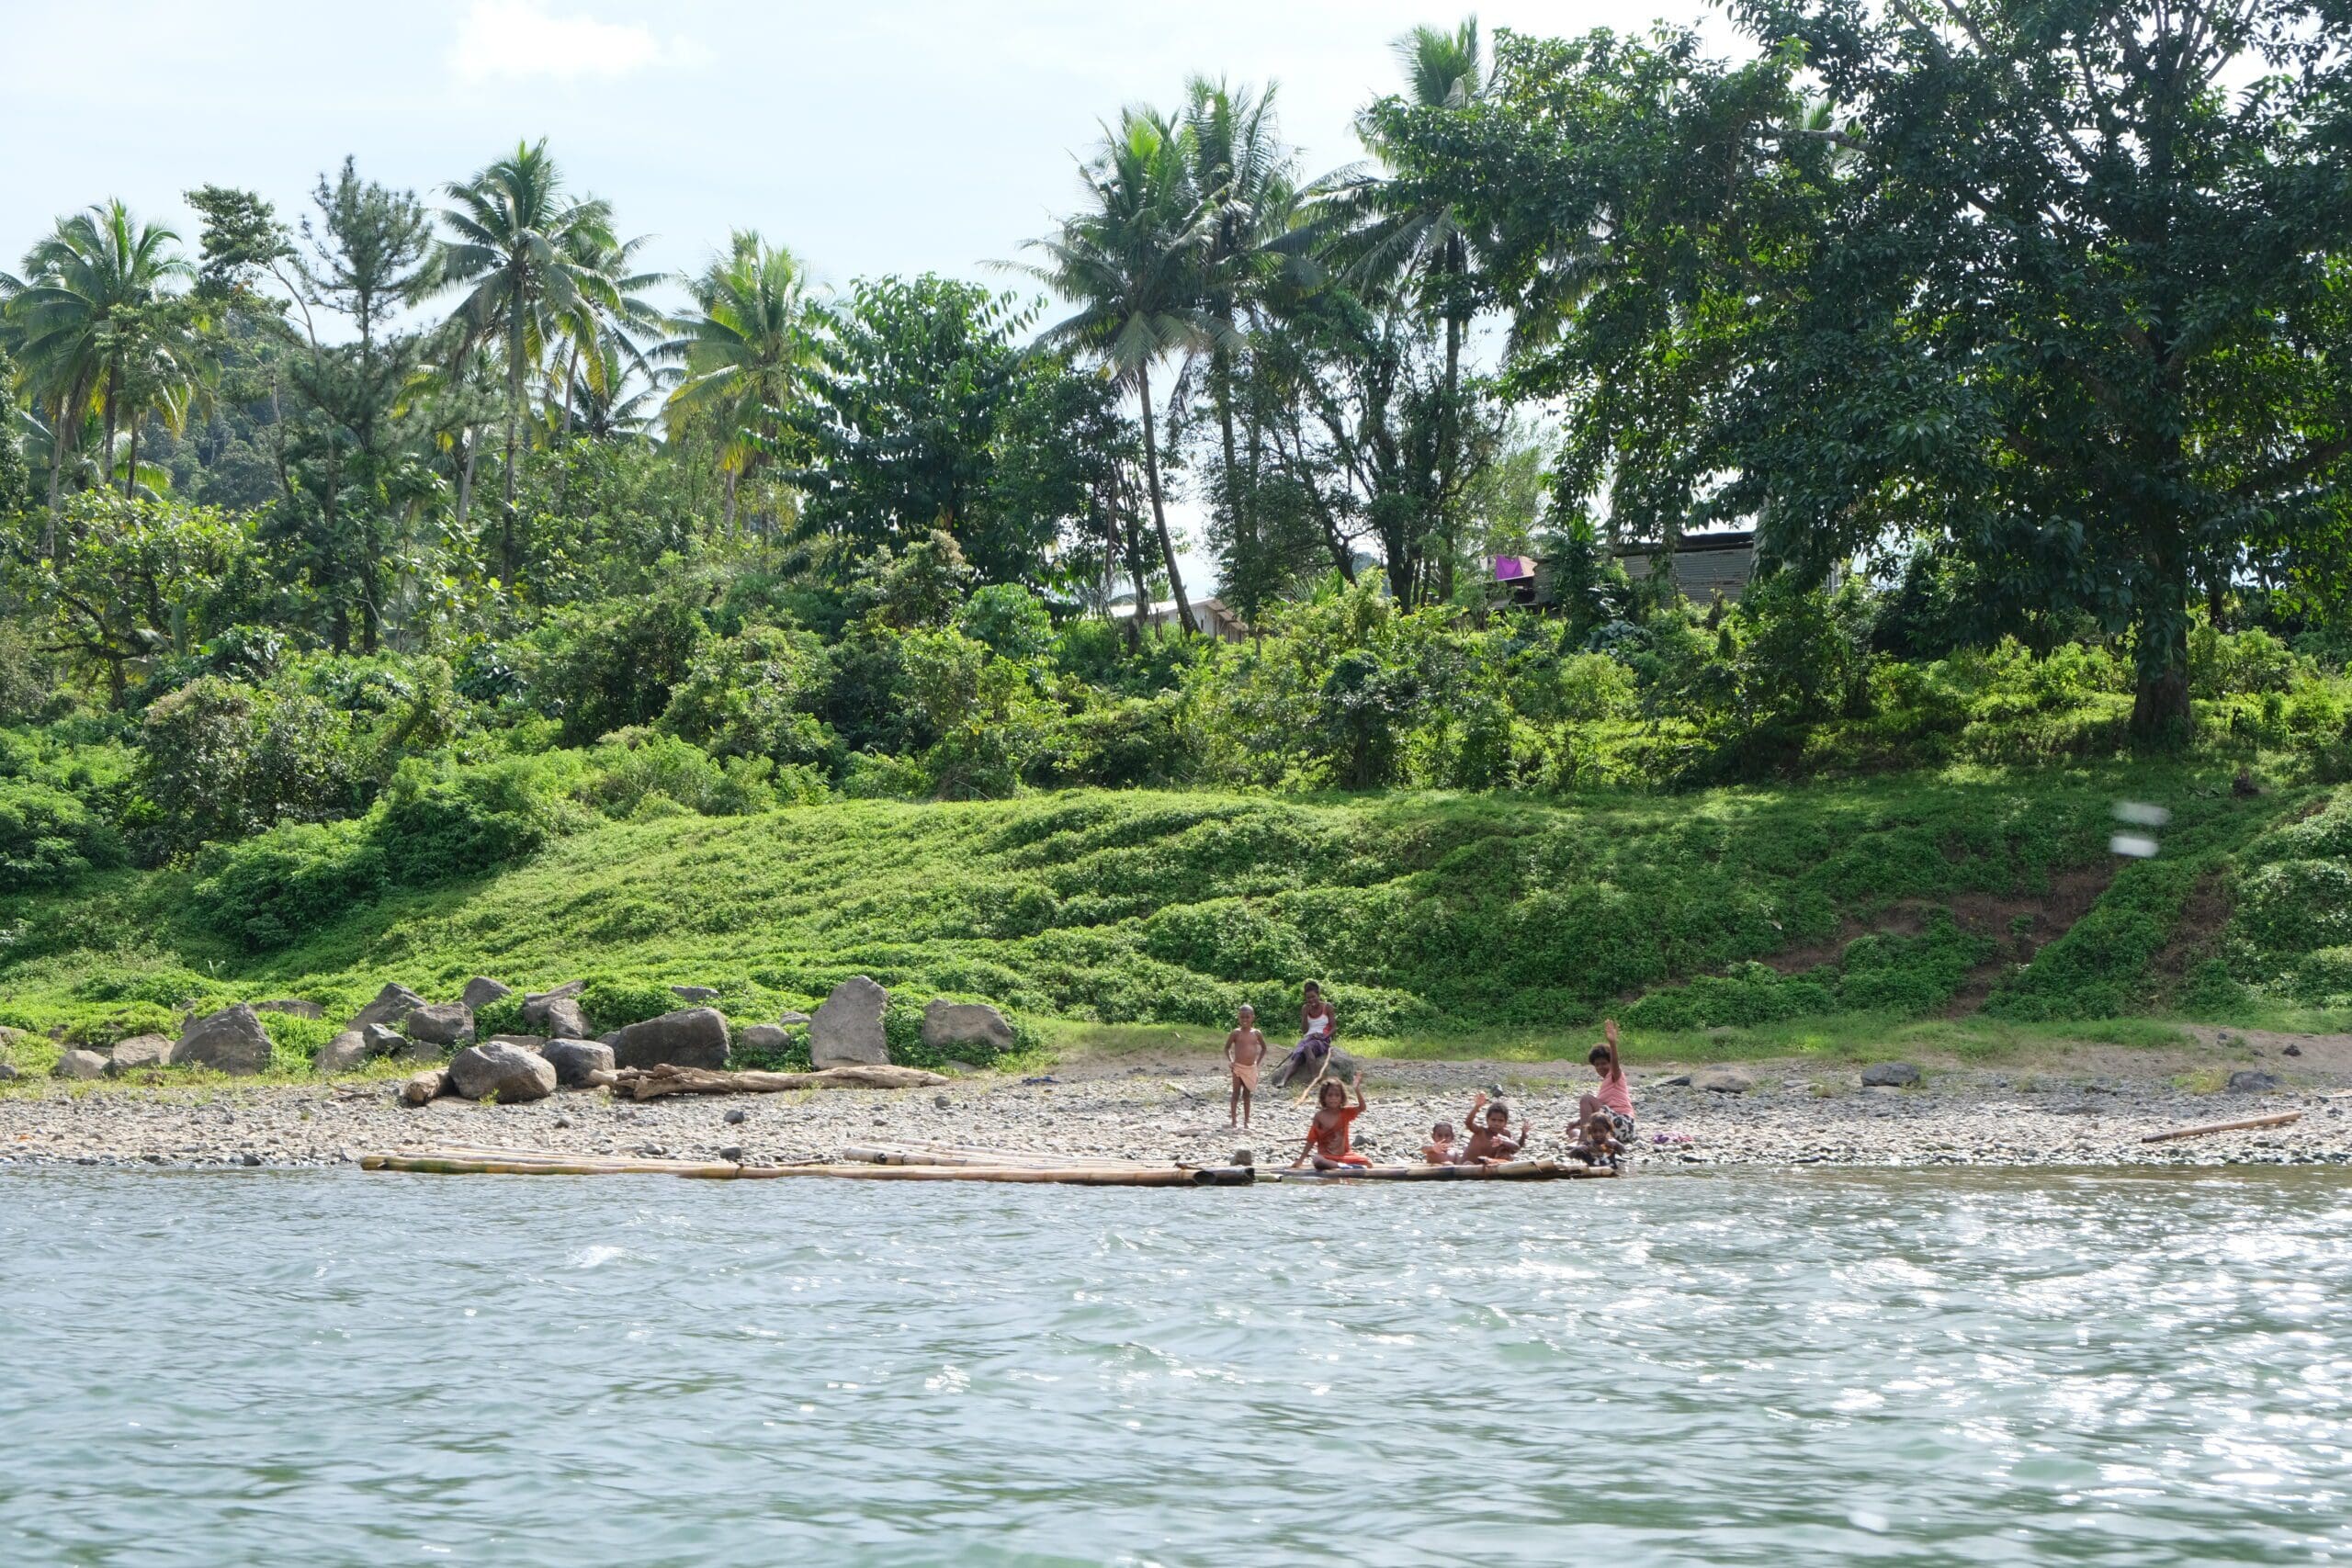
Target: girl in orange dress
1326,1135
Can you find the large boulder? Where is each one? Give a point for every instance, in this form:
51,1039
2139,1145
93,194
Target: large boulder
481,990
564,1019
573,1060
946,1025
2250,1080
392,1005
229,1041
536,1003
1890,1075
441,1024
293,1007
509,1072
141,1051
1723,1079
347,1052
690,1037
80,1065
847,1030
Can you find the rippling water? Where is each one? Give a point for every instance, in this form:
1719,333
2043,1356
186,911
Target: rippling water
332,1368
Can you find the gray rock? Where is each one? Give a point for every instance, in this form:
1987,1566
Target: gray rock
249,1160
80,1065
382,1040
481,990
2292,1050
294,1007
528,1042
735,1117
764,1037
694,993
573,1060
344,1053
392,1005
1722,1079
1679,1080
139,1052
947,1024
732,1153
441,1024
2249,1081
847,1030
511,1073
536,1005
424,1086
563,1019
1890,1075
7,1072
229,1041
791,1017
690,1037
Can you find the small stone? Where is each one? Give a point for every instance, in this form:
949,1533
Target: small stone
81,1066
942,1102
2292,1050
251,1160
563,1121
732,1153
694,993
1242,1156
481,990
1679,1080
791,1017
1890,1075
1724,1080
2249,1081
765,1037
735,1117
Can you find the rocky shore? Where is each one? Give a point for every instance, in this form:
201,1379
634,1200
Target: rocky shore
1794,1113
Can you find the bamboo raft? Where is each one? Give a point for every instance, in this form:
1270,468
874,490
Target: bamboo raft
900,1162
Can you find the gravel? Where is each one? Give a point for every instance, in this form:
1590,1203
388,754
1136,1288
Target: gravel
1956,1118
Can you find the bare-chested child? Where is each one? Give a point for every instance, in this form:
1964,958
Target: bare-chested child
1439,1149
1245,1048
1328,1145
1490,1139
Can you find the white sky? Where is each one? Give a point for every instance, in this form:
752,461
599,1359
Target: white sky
887,136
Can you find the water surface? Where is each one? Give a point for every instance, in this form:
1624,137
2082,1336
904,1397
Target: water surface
1748,1367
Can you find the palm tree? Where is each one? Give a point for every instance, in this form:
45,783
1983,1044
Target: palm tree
741,352
603,346
531,254
1131,262
1240,164
1392,242
85,324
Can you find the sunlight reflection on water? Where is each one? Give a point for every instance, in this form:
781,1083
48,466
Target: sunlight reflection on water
1745,1367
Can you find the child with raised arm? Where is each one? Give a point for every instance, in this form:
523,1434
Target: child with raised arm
1611,1099
1439,1149
1490,1139
1327,1136
1244,1049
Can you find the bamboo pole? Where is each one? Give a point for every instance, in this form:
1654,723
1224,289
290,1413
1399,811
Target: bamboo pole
460,1163
2202,1128
1514,1170
918,1154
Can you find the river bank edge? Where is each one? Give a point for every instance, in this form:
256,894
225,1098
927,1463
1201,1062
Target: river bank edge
2087,1109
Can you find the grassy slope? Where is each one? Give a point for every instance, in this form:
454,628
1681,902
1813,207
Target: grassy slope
1443,922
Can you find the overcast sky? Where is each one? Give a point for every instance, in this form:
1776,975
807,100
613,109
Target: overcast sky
876,136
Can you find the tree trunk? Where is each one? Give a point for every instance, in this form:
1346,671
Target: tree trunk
1244,534
106,456
1448,435
56,483
466,473
1159,512
2160,702
513,437
727,522
130,467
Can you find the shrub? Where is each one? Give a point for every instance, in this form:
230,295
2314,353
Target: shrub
503,1016
294,1041
613,1002
1009,619
615,665
49,837
271,891
456,822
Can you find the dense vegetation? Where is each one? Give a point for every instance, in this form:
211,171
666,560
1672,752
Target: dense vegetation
421,587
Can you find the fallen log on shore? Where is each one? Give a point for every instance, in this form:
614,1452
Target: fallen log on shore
650,1083
2202,1128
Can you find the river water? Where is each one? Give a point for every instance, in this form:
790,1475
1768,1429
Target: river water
330,1368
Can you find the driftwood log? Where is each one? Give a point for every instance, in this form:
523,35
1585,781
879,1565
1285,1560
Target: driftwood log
2202,1128
465,1163
650,1083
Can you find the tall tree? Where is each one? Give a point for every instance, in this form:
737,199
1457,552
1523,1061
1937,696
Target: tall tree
742,352
86,318
1131,261
528,255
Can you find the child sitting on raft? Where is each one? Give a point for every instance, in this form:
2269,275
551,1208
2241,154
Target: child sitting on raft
1439,1149
1612,1100
1327,1136
1490,1139
1244,1049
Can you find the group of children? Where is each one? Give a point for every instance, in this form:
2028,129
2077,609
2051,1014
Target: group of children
1602,1132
